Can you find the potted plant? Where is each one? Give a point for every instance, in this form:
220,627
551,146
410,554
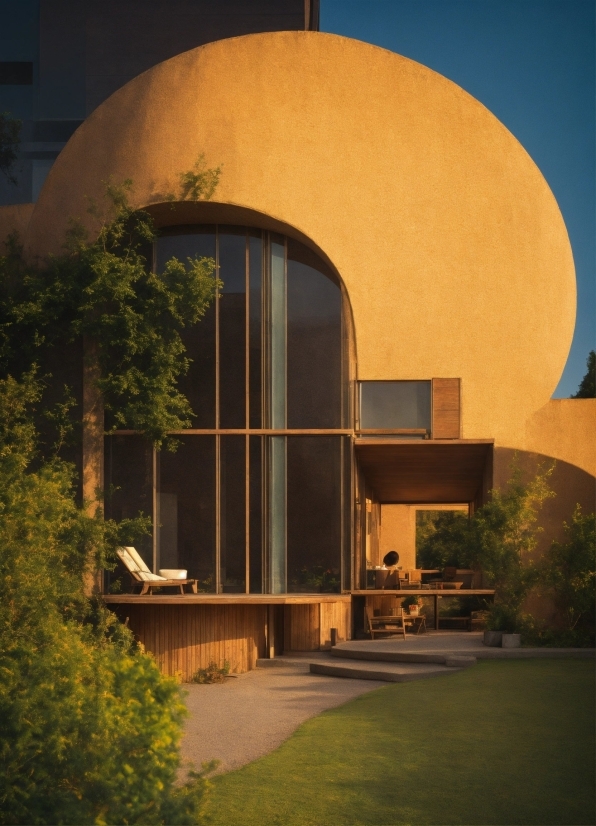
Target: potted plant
412,604
502,623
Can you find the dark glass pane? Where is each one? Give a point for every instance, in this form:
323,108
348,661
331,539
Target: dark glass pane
186,501
232,326
255,336
199,383
129,486
277,333
394,404
314,534
256,515
314,335
277,515
233,513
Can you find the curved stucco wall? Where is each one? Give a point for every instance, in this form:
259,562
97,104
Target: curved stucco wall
451,245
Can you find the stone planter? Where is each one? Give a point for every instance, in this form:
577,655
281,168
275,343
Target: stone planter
511,641
493,638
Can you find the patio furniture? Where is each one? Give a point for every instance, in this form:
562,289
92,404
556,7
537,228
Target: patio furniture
390,625
415,577
449,574
142,576
418,623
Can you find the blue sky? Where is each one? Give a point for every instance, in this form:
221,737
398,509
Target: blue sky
531,62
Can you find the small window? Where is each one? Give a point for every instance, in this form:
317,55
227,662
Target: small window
16,73
395,405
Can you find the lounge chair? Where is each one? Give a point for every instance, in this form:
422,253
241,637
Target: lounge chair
142,576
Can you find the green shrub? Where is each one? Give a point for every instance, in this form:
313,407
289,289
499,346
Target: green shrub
89,728
570,573
212,674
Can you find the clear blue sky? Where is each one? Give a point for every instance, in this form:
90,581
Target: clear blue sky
531,62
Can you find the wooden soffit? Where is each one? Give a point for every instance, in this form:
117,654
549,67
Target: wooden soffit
417,472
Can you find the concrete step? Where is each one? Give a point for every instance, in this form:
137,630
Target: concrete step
302,660
372,653
383,671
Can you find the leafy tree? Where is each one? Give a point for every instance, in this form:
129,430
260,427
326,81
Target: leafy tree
10,131
587,387
103,292
505,537
500,539
570,572
89,727
442,539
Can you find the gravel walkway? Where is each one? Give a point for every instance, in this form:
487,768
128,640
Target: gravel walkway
252,714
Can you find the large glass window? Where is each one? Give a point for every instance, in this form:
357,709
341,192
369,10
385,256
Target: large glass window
186,509
314,342
250,501
199,383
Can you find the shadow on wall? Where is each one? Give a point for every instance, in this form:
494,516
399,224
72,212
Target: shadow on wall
571,485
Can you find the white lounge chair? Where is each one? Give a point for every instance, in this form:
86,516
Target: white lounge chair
141,574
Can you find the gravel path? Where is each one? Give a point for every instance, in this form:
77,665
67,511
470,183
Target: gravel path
252,714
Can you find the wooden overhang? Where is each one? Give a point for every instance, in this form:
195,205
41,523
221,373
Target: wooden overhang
424,471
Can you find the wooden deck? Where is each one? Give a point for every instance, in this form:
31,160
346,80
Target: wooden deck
186,632
223,599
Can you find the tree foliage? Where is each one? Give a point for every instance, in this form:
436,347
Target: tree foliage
500,539
587,387
570,572
10,134
505,535
442,539
105,293
89,728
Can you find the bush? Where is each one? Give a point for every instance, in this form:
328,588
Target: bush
89,727
212,674
570,573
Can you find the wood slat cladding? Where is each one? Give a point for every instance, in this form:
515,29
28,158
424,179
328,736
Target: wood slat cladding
308,627
446,408
184,638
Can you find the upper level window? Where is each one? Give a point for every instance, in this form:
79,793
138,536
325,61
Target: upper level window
395,405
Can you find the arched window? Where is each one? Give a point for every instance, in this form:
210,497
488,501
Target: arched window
256,499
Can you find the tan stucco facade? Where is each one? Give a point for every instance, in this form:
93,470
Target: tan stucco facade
451,246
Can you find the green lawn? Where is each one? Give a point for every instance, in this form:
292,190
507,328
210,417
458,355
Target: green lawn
501,743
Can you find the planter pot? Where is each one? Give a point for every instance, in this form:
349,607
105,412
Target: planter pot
511,641
414,610
493,638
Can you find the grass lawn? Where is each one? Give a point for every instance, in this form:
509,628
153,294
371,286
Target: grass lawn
508,742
